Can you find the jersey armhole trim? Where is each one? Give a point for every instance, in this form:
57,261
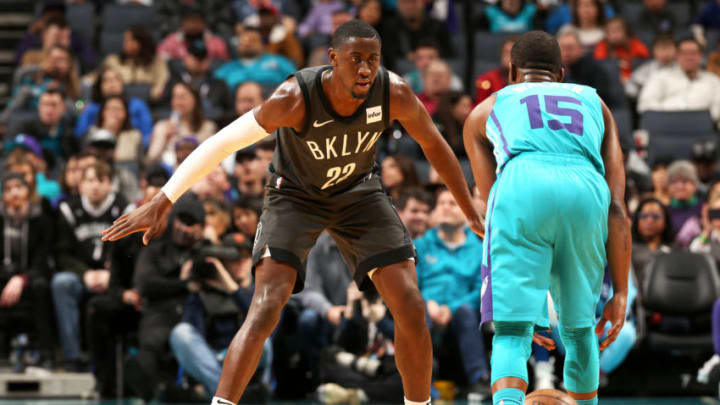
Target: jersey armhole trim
306,100
386,96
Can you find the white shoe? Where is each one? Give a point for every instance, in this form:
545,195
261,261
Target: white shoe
703,375
545,375
331,394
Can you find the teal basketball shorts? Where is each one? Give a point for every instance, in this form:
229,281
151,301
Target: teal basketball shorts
546,228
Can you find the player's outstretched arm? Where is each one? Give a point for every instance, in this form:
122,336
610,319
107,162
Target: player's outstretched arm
284,108
406,108
478,147
619,242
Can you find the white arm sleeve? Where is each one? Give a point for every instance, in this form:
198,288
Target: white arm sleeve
239,134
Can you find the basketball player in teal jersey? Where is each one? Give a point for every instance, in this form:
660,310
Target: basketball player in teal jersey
547,159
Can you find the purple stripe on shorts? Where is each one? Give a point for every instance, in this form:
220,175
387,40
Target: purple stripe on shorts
502,136
486,304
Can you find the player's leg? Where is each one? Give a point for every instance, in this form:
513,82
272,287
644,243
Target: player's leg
511,350
274,282
576,280
397,285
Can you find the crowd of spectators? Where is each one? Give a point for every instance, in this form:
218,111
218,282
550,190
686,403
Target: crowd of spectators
90,133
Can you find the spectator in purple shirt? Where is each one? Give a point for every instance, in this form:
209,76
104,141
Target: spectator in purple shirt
685,205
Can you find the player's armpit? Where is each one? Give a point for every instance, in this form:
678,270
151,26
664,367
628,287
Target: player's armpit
284,108
478,147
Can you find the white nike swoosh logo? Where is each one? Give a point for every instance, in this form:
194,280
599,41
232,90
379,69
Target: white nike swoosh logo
319,124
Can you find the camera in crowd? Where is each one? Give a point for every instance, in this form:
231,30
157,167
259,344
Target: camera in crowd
234,247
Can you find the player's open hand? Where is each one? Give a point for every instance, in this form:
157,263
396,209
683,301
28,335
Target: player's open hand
614,312
544,341
149,217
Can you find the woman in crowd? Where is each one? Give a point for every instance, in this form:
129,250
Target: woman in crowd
398,172
588,16
186,119
453,109
109,83
651,232
138,63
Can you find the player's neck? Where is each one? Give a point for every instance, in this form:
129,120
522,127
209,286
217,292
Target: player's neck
452,233
340,100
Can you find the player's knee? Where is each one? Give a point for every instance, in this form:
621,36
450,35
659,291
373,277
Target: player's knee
64,282
466,316
582,359
309,320
511,350
411,314
265,312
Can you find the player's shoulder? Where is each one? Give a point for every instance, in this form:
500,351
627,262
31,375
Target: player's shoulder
399,87
286,105
479,115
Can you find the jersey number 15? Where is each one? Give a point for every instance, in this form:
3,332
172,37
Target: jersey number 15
551,107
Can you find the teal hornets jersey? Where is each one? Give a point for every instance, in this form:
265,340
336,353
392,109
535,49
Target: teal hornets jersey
556,118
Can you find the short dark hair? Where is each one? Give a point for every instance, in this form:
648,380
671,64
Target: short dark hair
353,29
427,43
51,91
254,204
58,21
414,193
690,38
663,39
102,170
536,50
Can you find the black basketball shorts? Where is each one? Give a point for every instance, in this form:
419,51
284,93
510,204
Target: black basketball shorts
362,221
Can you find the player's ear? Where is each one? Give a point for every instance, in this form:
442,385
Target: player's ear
332,56
512,74
561,75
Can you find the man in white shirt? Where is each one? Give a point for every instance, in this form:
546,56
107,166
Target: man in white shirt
686,87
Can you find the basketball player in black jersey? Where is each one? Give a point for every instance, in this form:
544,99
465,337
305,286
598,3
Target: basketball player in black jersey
322,178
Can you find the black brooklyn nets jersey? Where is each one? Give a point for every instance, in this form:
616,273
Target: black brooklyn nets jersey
331,153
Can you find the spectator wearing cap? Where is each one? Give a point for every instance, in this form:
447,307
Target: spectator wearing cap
162,277
249,175
278,34
27,238
192,27
52,127
493,80
138,63
254,63
108,82
187,118
246,213
685,87
82,257
685,203
195,70
155,178
214,310
26,156
411,25
705,159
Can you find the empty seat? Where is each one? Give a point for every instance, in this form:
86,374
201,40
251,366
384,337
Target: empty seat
681,11
81,17
111,42
673,133
487,46
117,17
138,90
681,284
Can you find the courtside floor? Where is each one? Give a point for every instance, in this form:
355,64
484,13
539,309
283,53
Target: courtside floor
603,401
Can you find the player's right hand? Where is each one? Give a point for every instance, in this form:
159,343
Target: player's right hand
149,217
613,312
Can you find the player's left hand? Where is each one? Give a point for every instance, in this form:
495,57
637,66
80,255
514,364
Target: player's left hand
614,312
544,341
478,226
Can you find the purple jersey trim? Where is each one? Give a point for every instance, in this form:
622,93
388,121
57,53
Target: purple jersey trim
502,136
486,304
